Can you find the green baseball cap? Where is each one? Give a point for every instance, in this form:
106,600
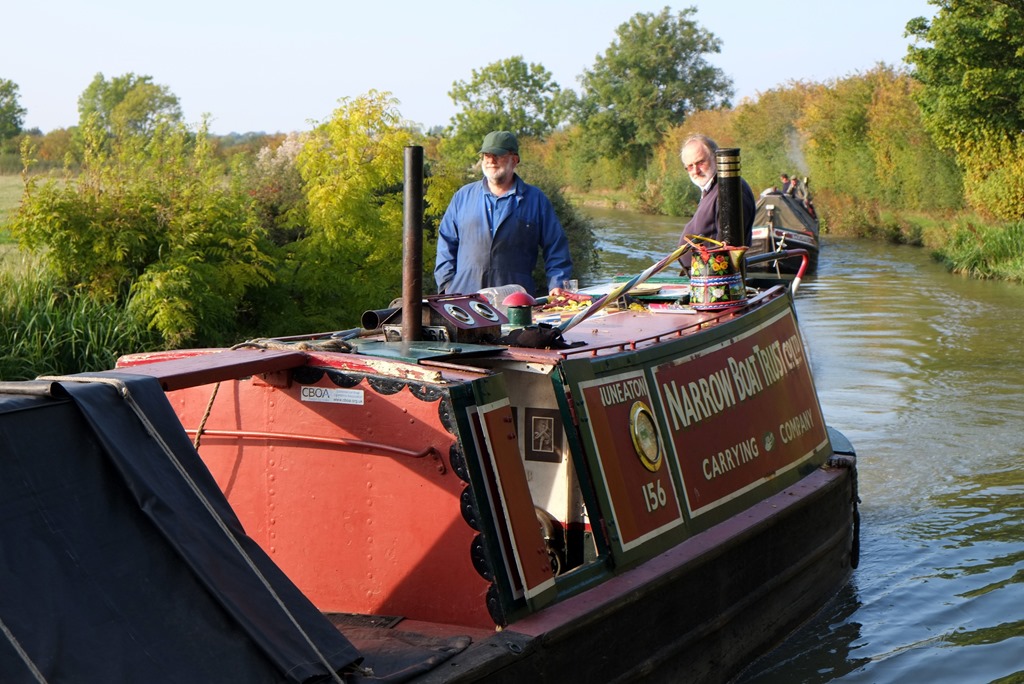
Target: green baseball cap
499,142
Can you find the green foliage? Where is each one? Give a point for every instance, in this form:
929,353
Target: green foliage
150,223
12,114
649,80
678,196
128,104
769,137
994,175
508,95
350,259
578,227
271,179
969,62
835,121
865,138
46,329
56,148
910,171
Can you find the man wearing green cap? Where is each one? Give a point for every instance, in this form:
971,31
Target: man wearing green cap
494,228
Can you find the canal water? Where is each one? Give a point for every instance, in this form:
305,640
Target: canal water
924,372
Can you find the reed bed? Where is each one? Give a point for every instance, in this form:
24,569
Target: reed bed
985,251
47,330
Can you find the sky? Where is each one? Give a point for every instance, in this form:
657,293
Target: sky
280,67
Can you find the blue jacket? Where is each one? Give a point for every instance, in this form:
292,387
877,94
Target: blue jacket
469,258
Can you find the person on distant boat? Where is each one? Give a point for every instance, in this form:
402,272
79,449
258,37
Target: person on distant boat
698,155
786,185
803,193
796,188
493,229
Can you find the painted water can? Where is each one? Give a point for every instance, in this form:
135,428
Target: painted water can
716,274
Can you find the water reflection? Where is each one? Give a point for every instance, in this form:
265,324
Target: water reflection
832,631
924,372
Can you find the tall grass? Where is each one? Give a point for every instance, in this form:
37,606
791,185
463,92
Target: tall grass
45,330
985,251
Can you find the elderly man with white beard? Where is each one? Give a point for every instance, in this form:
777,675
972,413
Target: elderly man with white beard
698,155
494,228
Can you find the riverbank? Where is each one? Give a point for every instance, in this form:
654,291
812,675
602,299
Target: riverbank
965,243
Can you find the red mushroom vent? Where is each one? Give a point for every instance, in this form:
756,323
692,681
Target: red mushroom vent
519,299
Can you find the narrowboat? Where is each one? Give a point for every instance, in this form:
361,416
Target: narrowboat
784,222
627,493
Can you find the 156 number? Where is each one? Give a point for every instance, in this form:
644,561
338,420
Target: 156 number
654,496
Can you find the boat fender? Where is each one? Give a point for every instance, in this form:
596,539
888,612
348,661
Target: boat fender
839,460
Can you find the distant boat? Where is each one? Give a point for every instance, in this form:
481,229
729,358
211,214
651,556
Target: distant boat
650,494
784,222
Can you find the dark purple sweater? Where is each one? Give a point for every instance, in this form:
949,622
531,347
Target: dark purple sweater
705,219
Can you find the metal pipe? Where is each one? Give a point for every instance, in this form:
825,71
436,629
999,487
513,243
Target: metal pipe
730,197
412,246
371,320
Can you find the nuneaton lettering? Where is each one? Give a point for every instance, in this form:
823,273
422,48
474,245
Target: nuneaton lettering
621,392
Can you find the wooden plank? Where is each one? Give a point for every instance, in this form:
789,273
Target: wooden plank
191,369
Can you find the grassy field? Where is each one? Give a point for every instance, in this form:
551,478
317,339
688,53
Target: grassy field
10,195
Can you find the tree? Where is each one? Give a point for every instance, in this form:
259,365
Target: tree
509,95
128,104
350,256
911,172
648,81
969,63
12,114
55,146
767,133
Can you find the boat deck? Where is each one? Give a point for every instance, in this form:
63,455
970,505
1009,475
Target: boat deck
629,330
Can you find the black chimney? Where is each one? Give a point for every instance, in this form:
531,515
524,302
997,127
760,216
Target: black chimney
730,197
412,245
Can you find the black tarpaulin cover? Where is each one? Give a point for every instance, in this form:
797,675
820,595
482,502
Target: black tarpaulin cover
788,212
112,570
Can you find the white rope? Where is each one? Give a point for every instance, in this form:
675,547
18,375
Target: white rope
122,388
21,652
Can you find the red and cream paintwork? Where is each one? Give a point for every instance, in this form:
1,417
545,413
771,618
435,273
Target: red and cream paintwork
414,481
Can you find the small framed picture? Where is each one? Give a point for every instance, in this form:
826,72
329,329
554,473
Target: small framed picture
543,435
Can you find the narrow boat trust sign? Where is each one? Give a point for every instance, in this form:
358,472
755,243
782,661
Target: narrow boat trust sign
722,406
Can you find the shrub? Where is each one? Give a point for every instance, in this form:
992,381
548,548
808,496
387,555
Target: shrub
151,218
